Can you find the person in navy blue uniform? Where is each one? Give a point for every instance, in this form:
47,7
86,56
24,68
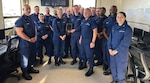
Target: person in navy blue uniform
75,35
118,45
34,16
87,40
25,29
43,38
59,35
99,18
68,36
107,26
93,12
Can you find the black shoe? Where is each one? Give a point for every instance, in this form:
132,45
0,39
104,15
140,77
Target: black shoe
61,61
107,72
31,70
82,66
49,61
114,81
89,72
74,62
105,67
66,56
41,60
98,63
27,76
56,62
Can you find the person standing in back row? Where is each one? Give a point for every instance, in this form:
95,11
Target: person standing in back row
107,26
25,29
118,45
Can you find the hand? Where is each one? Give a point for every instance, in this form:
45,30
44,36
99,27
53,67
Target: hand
33,40
44,37
63,37
114,52
80,41
92,44
111,52
72,31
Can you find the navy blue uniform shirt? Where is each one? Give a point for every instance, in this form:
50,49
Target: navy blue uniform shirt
87,27
76,21
109,23
35,17
51,18
28,26
42,29
120,38
59,27
99,22
68,19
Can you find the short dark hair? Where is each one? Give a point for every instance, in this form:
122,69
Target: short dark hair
36,6
123,13
103,8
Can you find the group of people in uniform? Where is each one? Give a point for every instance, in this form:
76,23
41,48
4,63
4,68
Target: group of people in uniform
93,35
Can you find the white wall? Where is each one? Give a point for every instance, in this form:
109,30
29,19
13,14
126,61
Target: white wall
1,17
33,3
136,12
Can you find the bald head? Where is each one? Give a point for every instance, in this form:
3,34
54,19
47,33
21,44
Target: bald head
26,9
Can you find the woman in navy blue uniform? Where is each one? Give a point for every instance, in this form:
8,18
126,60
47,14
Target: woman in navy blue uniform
87,40
118,45
25,29
107,26
59,35
43,38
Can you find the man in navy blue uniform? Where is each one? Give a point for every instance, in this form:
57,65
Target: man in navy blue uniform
87,40
34,16
107,26
99,18
25,29
59,29
43,38
118,45
75,35
67,18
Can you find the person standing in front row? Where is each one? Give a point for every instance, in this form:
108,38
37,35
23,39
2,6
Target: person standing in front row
43,38
25,29
118,45
59,36
75,35
87,40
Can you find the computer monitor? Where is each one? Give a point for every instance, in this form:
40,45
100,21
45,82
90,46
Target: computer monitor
138,33
2,34
146,37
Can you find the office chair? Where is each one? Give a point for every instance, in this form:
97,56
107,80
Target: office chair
138,63
10,60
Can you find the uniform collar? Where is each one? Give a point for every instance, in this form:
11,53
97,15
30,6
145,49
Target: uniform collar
124,24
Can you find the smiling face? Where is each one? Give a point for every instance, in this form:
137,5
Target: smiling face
41,17
87,13
59,13
26,10
120,18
